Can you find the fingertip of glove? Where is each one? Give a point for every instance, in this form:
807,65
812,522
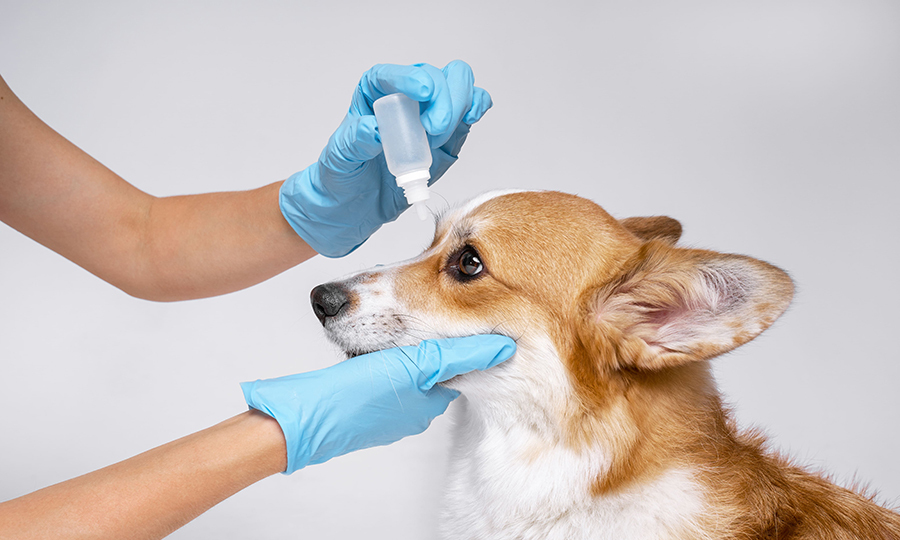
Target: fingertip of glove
383,79
504,345
481,103
423,78
452,64
498,346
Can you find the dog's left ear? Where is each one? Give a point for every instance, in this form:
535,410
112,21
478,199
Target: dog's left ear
672,306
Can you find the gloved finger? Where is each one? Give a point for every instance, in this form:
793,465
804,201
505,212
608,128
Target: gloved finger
445,156
455,142
481,102
438,360
440,163
437,117
384,79
355,142
461,84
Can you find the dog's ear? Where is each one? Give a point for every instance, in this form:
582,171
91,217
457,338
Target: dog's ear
671,306
653,228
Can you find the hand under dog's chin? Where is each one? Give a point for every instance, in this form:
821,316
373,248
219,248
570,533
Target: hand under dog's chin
461,383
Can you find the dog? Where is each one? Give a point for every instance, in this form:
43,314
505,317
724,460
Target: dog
607,422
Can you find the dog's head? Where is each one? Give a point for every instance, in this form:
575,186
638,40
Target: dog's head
590,300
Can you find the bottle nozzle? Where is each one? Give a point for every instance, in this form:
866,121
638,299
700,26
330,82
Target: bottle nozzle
415,189
415,185
421,210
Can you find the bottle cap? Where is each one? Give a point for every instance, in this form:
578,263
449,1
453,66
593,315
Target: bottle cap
413,176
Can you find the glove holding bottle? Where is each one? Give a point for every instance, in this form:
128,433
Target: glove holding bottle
339,201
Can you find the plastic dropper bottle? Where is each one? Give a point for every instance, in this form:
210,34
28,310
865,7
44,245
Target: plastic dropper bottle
406,148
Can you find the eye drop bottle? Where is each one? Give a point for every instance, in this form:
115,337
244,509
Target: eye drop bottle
406,148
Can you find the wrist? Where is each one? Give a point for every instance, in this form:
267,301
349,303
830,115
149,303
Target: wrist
315,214
275,401
271,451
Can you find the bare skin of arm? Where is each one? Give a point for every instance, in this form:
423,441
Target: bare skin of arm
164,249
154,493
156,248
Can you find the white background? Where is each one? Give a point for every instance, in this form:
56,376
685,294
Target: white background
770,128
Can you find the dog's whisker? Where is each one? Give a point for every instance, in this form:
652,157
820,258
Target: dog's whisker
501,329
412,361
388,374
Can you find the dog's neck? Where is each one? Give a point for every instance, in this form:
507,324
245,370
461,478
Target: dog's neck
534,397
525,393
519,449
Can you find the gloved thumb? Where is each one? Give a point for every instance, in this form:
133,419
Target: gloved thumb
438,360
354,143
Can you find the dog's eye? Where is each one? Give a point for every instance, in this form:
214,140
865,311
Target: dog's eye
470,263
465,264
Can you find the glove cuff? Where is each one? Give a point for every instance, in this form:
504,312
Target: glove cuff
300,198
292,440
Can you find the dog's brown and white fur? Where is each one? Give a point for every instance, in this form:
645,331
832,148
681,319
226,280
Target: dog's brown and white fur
607,422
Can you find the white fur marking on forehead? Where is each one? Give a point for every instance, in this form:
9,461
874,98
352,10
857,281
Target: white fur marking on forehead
470,205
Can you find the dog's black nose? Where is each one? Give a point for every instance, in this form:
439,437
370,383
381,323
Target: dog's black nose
328,300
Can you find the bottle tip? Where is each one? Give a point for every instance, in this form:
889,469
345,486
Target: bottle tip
416,190
421,210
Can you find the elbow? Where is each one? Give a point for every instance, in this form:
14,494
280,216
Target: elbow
155,286
150,291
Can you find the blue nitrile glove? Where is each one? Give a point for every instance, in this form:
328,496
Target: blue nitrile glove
338,202
370,400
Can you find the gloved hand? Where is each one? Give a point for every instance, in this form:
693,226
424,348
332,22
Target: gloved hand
370,400
338,202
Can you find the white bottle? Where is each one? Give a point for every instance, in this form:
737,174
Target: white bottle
406,148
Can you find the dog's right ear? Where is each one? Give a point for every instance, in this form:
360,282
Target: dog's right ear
653,228
670,306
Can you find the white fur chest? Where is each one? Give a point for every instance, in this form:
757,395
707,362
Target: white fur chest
544,493
511,477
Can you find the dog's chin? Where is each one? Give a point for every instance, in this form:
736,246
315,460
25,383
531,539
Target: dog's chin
353,353
352,350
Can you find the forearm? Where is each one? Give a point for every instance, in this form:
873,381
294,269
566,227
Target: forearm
169,248
197,246
154,493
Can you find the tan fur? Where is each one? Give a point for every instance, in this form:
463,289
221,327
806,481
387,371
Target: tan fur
636,321
653,227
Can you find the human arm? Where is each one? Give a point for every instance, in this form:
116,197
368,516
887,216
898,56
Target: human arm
370,400
373,399
152,494
157,248
195,246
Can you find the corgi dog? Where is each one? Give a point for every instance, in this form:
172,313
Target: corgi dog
606,423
